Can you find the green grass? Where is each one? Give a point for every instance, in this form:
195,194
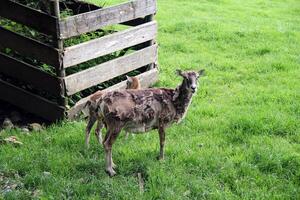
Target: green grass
240,139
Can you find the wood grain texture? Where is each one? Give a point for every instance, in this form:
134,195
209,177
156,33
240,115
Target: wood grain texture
29,74
29,47
147,79
109,44
40,21
111,69
59,44
150,18
96,19
30,102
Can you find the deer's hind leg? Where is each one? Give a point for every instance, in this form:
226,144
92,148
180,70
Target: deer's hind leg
91,122
98,132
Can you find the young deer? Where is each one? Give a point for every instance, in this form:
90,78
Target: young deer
144,110
132,83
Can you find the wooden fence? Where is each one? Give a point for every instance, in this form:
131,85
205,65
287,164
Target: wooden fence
141,30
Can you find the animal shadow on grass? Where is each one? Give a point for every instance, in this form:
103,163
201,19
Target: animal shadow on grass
94,162
137,164
138,167
90,169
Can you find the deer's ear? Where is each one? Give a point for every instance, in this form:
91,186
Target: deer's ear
129,79
179,72
201,72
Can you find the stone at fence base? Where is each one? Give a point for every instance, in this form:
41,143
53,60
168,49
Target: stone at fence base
24,129
35,127
13,140
7,124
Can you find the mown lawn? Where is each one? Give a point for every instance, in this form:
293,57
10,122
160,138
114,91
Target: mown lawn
240,139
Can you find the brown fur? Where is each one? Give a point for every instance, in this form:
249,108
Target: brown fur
132,83
144,110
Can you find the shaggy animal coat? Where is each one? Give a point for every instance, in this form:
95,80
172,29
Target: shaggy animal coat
139,110
144,110
132,83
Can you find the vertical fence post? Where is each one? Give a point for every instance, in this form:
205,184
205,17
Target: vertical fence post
150,18
59,44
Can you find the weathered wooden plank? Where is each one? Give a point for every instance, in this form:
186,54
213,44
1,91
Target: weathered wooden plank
150,18
109,44
111,69
59,44
94,20
29,74
147,79
29,47
30,102
83,7
30,17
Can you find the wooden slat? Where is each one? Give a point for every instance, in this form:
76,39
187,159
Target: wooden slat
29,74
59,44
109,44
28,16
147,79
151,42
30,102
29,47
111,69
94,20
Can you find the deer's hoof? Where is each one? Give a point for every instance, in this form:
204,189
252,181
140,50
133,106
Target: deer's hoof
111,172
114,166
160,158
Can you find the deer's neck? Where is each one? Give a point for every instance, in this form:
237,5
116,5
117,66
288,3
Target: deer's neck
182,100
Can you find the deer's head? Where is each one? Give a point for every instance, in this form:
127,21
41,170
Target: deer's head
190,79
132,83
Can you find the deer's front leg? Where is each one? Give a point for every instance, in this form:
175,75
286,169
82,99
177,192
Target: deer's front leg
110,139
161,132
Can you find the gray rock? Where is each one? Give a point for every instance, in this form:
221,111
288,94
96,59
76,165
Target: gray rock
13,140
25,130
46,173
7,124
7,190
35,127
15,116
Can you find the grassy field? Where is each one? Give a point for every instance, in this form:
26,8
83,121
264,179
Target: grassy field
240,139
